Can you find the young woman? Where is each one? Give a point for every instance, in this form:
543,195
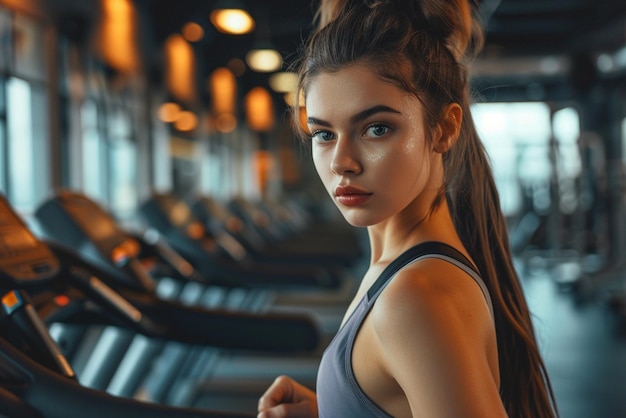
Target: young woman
439,326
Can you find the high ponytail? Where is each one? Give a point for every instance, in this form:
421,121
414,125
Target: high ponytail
452,20
455,22
424,47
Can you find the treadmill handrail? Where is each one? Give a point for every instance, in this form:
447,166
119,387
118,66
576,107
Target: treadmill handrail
170,320
55,396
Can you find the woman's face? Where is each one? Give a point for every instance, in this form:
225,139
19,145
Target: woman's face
370,146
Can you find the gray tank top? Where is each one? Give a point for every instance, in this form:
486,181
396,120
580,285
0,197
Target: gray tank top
338,393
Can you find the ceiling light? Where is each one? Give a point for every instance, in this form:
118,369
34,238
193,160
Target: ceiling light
289,99
226,122
223,90
264,60
186,121
193,32
231,17
168,112
284,82
259,109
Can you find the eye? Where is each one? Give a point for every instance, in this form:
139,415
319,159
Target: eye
322,136
377,130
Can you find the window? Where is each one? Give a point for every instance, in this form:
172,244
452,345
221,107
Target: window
566,126
27,148
516,137
24,125
3,142
93,152
123,158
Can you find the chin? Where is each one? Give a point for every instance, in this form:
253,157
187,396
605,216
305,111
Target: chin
357,221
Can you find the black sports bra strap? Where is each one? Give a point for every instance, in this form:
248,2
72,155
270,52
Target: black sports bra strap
425,248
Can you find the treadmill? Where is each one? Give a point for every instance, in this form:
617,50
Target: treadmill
77,293
36,380
75,222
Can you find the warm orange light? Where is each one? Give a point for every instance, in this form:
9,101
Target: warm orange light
302,120
264,162
237,66
122,252
264,60
195,230
259,109
225,122
132,247
168,112
119,255
10,300
186,121
193,32
116,40
180,213
232,21
61,300
223,89
284,82
180,68
290,99
20,5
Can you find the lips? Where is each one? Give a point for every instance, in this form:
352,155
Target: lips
351,196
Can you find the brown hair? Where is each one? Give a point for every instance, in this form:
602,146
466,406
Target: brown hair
423,47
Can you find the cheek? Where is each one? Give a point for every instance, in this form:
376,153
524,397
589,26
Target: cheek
398,160
317,160
322,166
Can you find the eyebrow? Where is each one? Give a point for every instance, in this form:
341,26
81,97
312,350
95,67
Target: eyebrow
364,114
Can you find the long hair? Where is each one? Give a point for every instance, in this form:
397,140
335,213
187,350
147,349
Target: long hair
423,47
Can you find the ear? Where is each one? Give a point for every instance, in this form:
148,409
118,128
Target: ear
448,129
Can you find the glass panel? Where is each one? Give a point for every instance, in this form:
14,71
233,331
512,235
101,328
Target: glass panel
5,39
3,160
93,152
122,165
516,138
567,131
41,143
566,126
20,146
123,178
27,145
161,164
29,48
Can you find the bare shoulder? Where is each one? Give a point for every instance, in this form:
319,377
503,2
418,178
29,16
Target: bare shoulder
433,290
437,341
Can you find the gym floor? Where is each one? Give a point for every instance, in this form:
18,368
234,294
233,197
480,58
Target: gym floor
584,347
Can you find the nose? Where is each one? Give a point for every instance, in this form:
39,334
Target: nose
345,158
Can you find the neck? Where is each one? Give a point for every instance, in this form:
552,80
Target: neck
412,226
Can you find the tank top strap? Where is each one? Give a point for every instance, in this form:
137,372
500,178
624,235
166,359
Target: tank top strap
430,249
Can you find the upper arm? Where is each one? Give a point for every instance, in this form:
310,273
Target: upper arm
435,328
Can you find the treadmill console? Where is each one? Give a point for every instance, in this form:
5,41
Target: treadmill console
23,258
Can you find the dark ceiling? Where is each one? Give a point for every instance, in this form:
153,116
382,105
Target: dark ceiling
515,28
541,27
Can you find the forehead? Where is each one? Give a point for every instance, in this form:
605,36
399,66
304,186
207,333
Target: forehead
352,89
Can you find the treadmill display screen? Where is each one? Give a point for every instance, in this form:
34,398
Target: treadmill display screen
23,258
13,235
91,218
